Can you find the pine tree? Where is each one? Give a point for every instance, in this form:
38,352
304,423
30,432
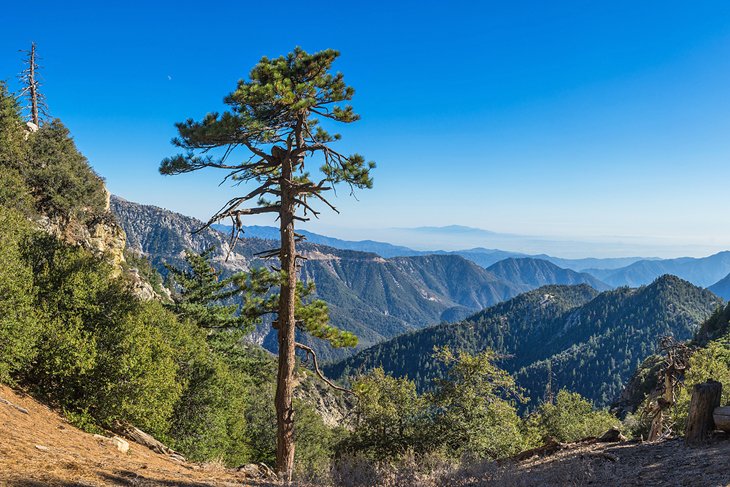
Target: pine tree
274,118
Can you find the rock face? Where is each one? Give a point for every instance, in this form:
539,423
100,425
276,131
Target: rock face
102,236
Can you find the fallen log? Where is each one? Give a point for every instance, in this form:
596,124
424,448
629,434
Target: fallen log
15,406
700,421
145,439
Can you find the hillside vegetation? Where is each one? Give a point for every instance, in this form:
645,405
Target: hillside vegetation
584,341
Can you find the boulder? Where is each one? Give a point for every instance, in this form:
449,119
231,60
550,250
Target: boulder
121,444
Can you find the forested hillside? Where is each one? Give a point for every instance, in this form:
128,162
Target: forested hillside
587,342
533,273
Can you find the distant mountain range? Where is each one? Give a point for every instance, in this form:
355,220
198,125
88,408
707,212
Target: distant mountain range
533,273
479,255
374,297
382,249
614,271
582,340
704,271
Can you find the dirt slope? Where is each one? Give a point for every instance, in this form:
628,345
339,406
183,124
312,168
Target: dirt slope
667,463
40,448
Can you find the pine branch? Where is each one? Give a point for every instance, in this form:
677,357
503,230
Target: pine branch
310,352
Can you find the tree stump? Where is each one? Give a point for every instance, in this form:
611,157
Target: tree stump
722,418
705,398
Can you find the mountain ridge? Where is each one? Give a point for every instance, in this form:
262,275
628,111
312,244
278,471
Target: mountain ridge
570,332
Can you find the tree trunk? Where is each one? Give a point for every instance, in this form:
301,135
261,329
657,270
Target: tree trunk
33,88
286,325
705,398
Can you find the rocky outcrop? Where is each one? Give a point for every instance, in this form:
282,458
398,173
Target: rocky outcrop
101,235
106,239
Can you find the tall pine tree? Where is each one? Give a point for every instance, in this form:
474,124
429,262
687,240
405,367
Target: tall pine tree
274,118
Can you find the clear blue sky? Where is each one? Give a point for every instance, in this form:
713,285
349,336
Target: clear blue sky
560,119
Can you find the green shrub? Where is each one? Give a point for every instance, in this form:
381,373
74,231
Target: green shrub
14,193
475,412
19,325
135,379
571,418
390,416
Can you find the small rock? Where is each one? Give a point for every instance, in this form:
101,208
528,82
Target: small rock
121,444
22,410
250,470
256,470
611,436
42,448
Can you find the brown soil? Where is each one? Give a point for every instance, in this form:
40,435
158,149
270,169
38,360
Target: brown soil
666,463
41,448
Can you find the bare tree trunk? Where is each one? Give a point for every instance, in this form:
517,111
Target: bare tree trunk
33,88
287,328
700,423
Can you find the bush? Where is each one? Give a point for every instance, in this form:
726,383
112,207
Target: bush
390,416
19,325
209,419
571,418
473,414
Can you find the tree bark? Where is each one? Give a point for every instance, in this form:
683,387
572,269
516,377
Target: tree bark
33,88
705,398
287,328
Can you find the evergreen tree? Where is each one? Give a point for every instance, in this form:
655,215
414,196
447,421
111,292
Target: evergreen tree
202,295
274,117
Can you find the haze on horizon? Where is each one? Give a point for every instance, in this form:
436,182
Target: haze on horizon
603,128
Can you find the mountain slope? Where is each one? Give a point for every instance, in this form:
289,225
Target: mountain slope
722,288
592,342
533,273
373,297
703,272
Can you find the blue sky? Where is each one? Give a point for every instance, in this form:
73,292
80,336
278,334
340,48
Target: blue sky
577,120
